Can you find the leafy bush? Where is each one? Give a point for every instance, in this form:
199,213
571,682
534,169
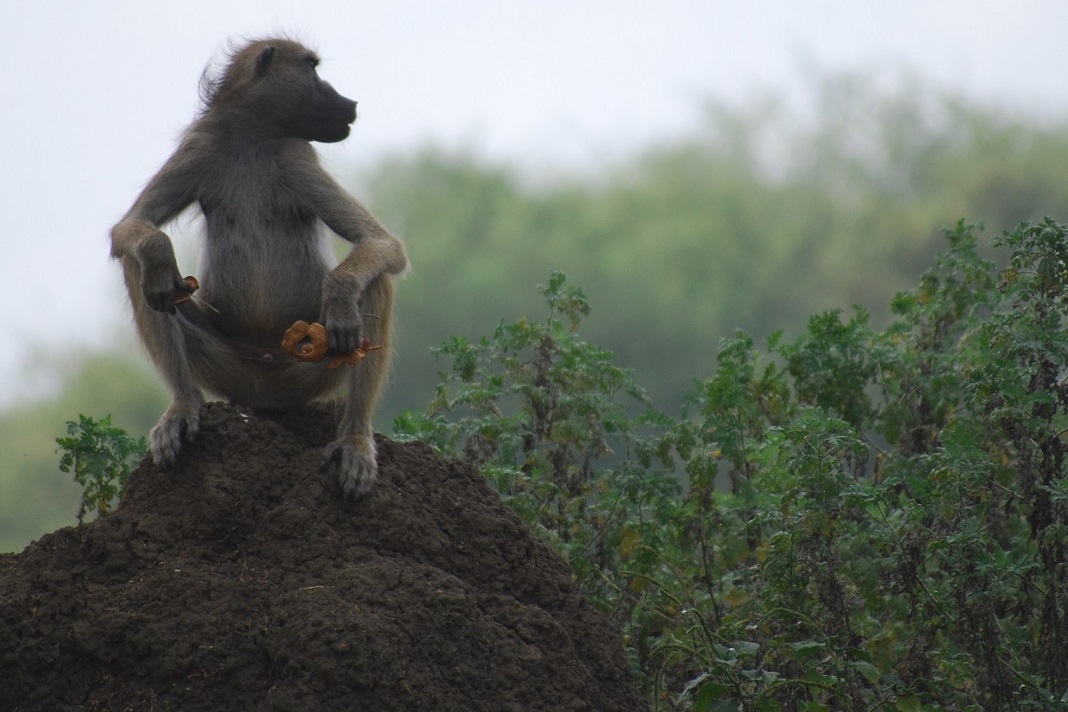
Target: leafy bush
100,455
853,520
548,419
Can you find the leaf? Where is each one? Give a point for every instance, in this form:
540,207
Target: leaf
746,648
909,703
629,540
807,649
869,671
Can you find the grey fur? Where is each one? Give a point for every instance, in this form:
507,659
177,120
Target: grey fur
248,164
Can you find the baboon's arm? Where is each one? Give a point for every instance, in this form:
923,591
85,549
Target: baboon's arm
138,236
375,252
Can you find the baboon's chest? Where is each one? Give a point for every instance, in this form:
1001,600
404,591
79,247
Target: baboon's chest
263,274
264,258
246,208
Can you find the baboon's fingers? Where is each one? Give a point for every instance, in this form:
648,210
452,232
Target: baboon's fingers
162,295
345,335
341,312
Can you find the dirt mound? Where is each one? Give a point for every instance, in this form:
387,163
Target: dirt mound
241,581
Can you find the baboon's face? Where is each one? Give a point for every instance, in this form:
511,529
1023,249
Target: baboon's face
328,115
275,86
292,95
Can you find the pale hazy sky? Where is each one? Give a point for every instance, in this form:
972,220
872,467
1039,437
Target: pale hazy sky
95,94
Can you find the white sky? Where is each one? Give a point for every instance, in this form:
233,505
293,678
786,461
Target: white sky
93,96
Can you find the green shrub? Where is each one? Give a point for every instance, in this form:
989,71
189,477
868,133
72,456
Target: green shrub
100,455
551,422
854,520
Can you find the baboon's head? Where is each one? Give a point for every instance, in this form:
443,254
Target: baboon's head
274,86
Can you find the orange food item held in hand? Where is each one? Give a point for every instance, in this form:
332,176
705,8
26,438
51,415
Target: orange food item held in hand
306,341
181,296
355,357
309,342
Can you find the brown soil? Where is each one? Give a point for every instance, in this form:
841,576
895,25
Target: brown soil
242,581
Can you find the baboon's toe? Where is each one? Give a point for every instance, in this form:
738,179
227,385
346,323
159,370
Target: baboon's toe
180,423
354,460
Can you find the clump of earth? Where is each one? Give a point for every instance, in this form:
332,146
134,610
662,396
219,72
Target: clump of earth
241,580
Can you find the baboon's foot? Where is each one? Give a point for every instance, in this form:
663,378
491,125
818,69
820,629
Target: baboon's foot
353,458
179,423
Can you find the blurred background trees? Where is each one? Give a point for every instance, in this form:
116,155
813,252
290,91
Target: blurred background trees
765,215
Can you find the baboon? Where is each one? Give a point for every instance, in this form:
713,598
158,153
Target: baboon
247,162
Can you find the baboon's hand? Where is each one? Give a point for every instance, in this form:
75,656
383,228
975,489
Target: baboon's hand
341,313
160,278
160,286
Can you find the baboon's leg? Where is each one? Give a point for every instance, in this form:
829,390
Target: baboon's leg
353,453
162,336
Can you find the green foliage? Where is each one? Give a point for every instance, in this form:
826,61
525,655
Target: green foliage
101,456
758,218
34,496
853,520
548,419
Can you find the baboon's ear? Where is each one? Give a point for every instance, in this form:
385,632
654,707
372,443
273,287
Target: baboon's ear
263,62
